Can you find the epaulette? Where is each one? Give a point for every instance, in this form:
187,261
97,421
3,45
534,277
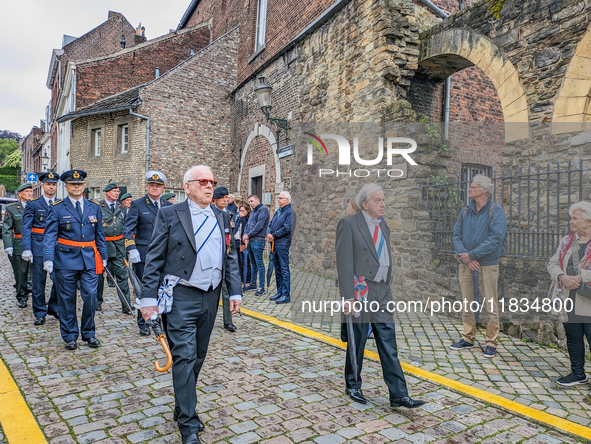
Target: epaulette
56,202
11,204
94,201
128,242
33,200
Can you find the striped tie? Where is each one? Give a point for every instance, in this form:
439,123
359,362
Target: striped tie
379,247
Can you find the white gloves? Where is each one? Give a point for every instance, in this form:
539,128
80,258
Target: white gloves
105,261
48,266
27,256
134,256
9,251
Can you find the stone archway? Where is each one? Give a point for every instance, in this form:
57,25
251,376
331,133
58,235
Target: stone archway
265,131
572,112
451,50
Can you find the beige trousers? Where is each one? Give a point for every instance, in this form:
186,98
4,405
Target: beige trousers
488,278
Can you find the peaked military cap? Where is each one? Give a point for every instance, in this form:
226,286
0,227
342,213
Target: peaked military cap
24,186
155,177
167,196
124,196
49,177
220,192
73,176
110,186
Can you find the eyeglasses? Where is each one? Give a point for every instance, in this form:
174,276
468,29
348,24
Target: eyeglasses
474,188
205,182
281,198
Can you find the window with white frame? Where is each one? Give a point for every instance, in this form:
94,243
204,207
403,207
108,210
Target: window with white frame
94,193
97,141
261,24
124,138
179,195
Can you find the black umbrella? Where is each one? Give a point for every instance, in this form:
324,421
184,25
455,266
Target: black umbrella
155,324
352,346
271,264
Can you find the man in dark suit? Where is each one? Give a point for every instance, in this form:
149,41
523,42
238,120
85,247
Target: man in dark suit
192,250
34,223
364,258
75,241
138,227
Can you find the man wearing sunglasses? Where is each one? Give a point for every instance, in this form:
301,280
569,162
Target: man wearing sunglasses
193,248
138,227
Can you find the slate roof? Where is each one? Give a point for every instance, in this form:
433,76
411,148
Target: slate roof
118,102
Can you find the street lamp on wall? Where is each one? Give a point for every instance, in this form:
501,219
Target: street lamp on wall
45,161
264,96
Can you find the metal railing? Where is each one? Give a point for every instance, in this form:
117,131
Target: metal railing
536,201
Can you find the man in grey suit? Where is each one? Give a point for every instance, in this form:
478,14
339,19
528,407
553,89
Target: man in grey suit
364,267
192,250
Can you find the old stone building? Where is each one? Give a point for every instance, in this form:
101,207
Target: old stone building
188,112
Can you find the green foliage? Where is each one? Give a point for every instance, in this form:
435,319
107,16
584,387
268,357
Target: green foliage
10,182
495,8
13,160
434,134
7,147
9,171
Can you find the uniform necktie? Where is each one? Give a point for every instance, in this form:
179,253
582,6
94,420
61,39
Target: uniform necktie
78,210
50,201
156,205
112,208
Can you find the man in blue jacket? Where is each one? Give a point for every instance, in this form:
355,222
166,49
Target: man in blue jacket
254,236
34,222
479,234
75,241
280,232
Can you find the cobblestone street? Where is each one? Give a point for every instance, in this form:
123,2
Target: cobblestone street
268,384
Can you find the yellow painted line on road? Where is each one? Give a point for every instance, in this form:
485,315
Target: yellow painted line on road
507,404
18,423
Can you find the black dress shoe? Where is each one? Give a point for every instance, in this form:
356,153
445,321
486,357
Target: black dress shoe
406,402
71,345
126,311
93,342
283,300
145,331
275,297
55,314
200,425
230,327
40,320
356,395
22,304
191,439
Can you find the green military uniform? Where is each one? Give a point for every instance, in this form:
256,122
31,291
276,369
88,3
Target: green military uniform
113,226
11,236
121,199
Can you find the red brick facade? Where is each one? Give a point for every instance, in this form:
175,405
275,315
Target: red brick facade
104,77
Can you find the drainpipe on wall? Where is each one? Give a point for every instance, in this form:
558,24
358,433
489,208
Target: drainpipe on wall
147,119
443,15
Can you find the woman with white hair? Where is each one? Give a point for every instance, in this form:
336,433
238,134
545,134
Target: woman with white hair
568,277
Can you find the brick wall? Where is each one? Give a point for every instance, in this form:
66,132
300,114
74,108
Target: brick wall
279,31
190,109
104,77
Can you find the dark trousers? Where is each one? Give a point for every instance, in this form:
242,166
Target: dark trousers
117,268
20,268
282,274
40,307
240,259
66,289
384,331
139,271
575,331
188,328
255,254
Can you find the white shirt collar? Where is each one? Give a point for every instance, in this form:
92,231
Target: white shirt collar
47,199
109,203
193,206
81,200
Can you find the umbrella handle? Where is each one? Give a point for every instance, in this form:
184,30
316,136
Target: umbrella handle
162,340
272,246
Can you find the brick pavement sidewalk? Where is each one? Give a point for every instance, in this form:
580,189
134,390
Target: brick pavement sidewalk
261,384
521,371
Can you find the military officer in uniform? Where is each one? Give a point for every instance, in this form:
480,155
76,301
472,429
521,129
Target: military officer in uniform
125,200
113,219
12,238
138,227
75,242
169,197
34,223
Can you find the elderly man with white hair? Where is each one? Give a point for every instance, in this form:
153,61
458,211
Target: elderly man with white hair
280,232
479,234
364,267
